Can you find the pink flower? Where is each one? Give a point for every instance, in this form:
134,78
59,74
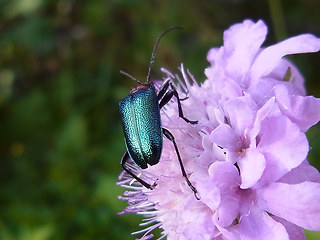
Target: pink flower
247,154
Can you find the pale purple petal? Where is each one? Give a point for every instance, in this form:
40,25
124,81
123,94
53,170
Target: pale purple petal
283,145
295,232
197,221
222,176
295,83
270,56
256,225
304,172
230,89
262,89
304,111
297,203
213,55
240,113
209,193
225,137
241,44
251,167
261,114
211,153
223,87
228,210
225,176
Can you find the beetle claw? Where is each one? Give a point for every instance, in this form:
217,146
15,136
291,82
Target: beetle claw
189,121
185,98
196,195
195,191
153,185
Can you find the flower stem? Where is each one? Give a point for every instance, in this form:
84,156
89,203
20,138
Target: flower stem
278,21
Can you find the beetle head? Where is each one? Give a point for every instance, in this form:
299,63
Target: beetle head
140,86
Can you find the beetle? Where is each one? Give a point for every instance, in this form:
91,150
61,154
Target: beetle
143,132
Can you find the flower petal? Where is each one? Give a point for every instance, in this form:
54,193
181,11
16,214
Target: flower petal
241,44
283,145
304,111
297,203
240,113
224,136
197,223
213,55
262,113
304,172
225,176
262,89
295,232
256,225
209,193
295,82
270,56
251,167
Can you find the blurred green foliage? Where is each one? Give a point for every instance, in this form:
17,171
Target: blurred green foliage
60,135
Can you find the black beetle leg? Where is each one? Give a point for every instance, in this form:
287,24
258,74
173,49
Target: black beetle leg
164,89
124,159
166,98
169,135
186,97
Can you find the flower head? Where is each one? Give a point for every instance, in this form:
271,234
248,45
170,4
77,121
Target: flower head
247,154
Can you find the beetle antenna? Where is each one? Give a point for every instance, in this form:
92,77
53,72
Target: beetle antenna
128,75
153,55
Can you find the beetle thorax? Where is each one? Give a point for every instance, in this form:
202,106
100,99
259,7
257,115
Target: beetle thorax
140,86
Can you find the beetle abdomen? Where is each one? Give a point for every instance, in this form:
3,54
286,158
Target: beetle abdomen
142,126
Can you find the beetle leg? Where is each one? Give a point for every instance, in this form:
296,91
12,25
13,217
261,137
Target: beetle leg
164,88
124,159
167,97
186,97
169,135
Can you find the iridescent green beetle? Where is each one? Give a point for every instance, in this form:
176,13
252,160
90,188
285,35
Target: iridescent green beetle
140,112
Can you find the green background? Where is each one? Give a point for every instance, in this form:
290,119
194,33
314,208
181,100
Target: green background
60,135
